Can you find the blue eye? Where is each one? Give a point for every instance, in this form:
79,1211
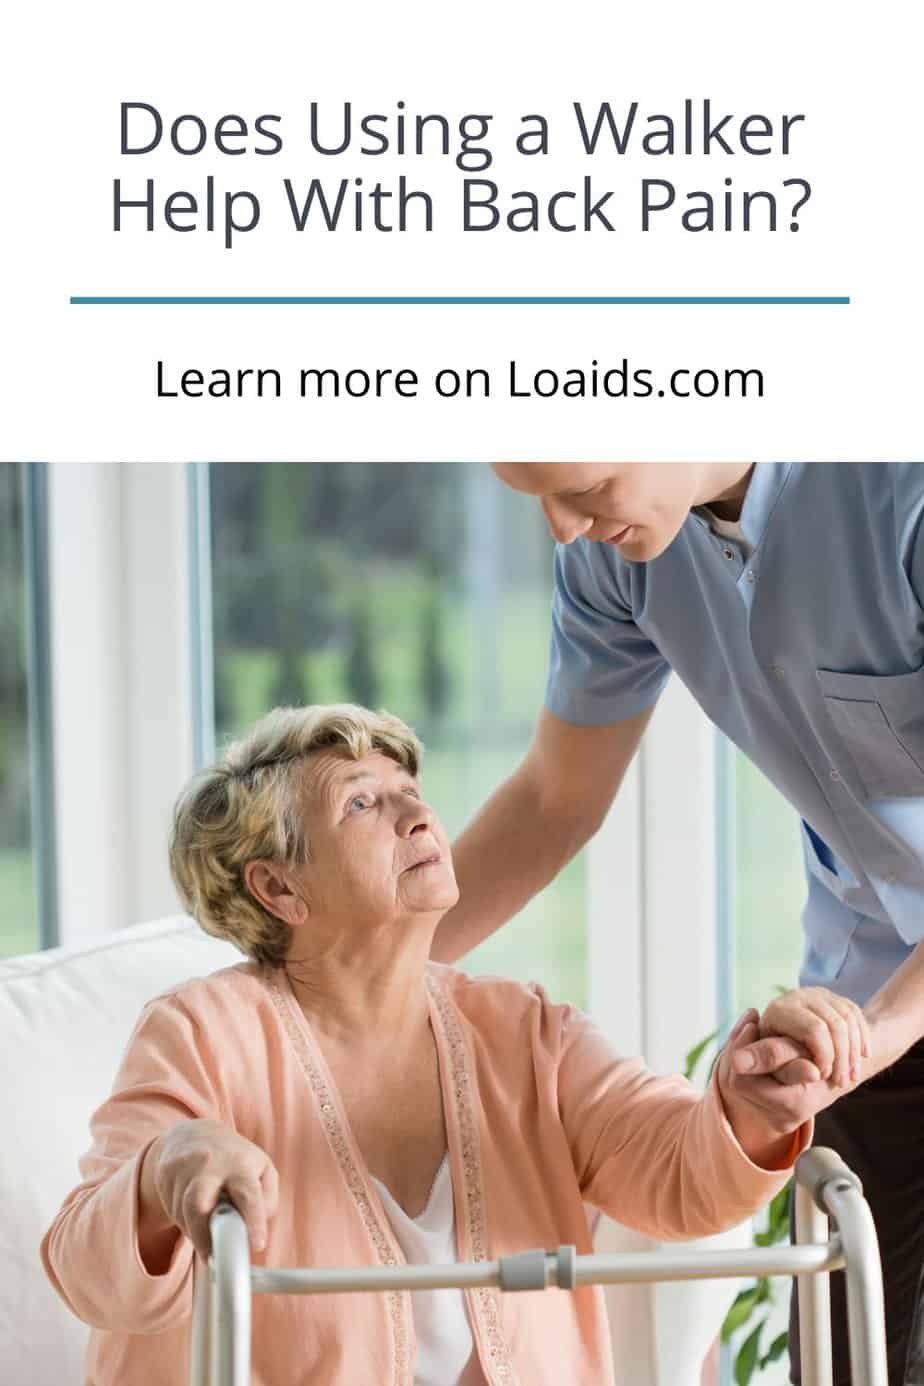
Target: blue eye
362,800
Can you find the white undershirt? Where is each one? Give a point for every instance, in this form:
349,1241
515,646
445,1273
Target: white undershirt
446,1353
728,529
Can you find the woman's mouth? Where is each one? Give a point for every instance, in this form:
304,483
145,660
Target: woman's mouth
427,861
620,536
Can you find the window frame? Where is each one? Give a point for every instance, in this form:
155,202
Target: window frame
120,644
39,686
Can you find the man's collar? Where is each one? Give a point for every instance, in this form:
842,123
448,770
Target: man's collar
765,484
764,489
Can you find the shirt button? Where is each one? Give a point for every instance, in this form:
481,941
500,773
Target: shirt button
891,877
834,775
728,553
778,671
751,575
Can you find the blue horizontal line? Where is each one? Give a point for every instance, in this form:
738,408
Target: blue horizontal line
323,301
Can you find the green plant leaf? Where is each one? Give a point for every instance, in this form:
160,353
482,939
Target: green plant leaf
743,1306
746,1360
691,1062
775,1350
779,1211
777,1228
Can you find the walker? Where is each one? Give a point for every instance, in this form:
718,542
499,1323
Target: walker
220,1349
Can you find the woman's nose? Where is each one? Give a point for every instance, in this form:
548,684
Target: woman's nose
416,816
565,524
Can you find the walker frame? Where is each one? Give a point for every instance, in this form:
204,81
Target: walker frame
824,1187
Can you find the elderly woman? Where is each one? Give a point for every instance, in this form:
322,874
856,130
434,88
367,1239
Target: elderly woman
363,1105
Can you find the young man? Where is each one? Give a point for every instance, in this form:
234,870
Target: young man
790,601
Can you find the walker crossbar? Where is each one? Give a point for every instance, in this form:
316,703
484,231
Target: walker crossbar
604,1269
824,1185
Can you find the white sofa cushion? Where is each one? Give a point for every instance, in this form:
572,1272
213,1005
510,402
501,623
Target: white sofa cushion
65,1017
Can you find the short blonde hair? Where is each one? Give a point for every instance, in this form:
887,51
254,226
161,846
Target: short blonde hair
246,808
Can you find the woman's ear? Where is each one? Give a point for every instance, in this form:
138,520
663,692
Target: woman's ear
270,885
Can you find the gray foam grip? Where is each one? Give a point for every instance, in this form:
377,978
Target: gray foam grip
528,1270
567,1267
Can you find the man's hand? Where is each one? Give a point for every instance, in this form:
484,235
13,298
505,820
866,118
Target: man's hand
762,1111
830,1030
183,1174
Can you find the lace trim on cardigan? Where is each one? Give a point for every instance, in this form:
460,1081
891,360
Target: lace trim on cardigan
397,1300
473,1184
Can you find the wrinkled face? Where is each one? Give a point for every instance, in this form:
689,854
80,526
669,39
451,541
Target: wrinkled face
637,507
377,853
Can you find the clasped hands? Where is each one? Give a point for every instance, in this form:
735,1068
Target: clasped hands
778,1069
809,1035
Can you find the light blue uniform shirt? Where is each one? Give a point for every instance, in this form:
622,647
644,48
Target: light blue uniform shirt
809,655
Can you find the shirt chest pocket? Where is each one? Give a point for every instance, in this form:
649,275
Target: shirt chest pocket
880,721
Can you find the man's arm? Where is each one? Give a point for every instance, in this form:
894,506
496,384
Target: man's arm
534,823
896,1013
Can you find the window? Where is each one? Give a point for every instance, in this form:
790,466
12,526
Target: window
769,888
421,588
26,856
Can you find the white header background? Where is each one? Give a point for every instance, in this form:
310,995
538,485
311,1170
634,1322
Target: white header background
840,382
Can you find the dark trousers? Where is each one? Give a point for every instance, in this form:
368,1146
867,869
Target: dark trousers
878,1130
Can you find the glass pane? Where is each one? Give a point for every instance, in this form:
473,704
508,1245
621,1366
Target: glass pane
769,888
422,588
18,913
767,894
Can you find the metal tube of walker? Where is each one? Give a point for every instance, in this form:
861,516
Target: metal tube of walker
592,1269
862,1268
814,1293
824,1184
225,1302
199,1370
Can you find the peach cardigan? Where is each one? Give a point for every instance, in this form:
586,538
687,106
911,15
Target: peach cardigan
541,1117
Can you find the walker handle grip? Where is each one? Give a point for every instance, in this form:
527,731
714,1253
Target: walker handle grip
818,1167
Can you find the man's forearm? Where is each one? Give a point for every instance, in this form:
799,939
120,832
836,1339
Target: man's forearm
535,823
896,1012
513,848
